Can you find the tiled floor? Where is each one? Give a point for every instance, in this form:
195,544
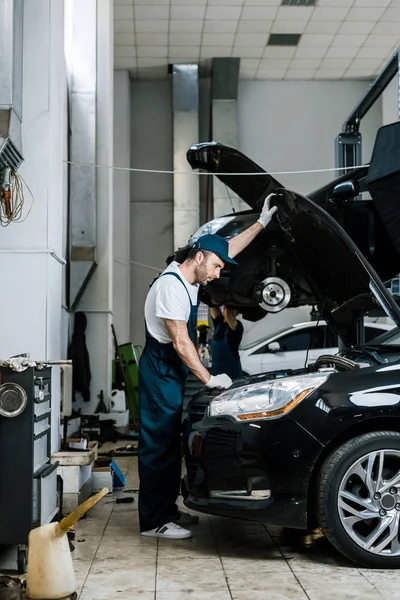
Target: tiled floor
225,560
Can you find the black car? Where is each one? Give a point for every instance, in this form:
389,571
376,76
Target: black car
364,202
315,446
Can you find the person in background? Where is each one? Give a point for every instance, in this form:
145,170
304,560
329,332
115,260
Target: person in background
228,333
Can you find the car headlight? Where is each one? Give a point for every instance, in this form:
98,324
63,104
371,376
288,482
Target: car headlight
211,227
265,400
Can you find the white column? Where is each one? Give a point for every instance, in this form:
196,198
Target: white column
97,301
121,205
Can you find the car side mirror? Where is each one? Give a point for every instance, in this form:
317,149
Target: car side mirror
274,347
344,191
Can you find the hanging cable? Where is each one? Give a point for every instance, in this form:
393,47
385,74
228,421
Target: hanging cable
12,198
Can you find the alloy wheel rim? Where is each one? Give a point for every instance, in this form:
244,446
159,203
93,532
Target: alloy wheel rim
369,502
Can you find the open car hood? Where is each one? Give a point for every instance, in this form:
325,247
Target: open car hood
344,284
217,158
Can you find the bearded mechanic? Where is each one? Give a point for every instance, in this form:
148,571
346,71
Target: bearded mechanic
168,355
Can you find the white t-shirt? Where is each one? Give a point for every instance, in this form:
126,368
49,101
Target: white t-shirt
168,299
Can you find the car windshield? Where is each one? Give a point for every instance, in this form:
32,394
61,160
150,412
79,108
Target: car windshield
389,338
274,335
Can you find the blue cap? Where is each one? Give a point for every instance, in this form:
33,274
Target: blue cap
216,244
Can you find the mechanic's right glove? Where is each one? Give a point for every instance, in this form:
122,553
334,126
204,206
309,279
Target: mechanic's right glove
219,381
267,212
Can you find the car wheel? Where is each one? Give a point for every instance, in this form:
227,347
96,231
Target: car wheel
358,499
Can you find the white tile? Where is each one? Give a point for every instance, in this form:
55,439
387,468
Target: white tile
254,26
323,27
220,26
374,52
184,39
190,2
248,51
123,26
222,39
262,2
147,2
152,39
279,52
384,27
288,26
335,63
124,39
304,74
152,26
329,73
187,12
366,63
152,52
222,12
252,13
270,74
364,3
123,12
358,74
275,63
365,14
314,39
349,40
311,52
124,52
225,2
151,62
247,39
215,52
189,52
124,63
249,63
151,12
294,13
329,13
381,41
335,3
305,63
342,52
349,27
392,14
184,26
247,74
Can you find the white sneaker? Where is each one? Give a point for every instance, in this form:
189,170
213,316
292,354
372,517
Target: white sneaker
169,531
184,518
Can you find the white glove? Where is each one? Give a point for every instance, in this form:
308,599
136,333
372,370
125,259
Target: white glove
267,212
219,381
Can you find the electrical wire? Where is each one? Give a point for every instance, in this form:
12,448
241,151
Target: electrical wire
11,208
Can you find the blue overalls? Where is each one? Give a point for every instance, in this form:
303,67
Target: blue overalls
162,376
224,349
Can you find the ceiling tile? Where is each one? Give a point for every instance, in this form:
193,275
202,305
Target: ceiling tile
249,63
123,12
303,74
176,60
311,52
381,41
329,13
152,52
336,63
321,27
190,2
124,63
186,26
248,51
262,2
151,12
365,14
374,52
184,39
279,52
222,39
123,2
270,73
358,3
288,26
123,26
189,52
252,13
274,63
152,26
187,12
124,39
335,3
152,39
151,62
392,14
366,63
147,2
294,13
220,26
342,52
386,27
221,12
329,73
247,73
215,52
249,39
313,39
124,52
305,63
225,2
349,40
254,26
356,27
358,74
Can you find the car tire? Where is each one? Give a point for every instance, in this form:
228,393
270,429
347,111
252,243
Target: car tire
341,480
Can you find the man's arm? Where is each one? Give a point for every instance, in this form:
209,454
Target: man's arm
184,346
242,240
215,312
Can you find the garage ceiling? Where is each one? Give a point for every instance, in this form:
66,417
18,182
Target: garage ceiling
336,39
